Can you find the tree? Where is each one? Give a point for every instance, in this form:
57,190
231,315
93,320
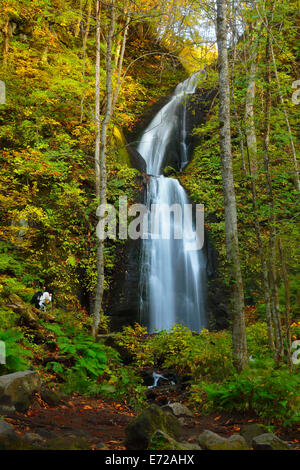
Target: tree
102,162
240,353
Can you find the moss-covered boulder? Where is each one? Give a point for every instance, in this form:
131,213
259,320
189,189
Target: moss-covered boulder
51,397
249,431
162,441
140,431
269,441
64,443
209,440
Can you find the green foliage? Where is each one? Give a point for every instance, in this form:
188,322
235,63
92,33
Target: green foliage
271,393
17,357
204,355
91,368
87,358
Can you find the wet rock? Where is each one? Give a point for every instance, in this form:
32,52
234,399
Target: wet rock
249,431
209,440
178,409
269,441
162,441
17,388
140,431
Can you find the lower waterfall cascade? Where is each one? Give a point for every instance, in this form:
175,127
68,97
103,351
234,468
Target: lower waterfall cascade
173,274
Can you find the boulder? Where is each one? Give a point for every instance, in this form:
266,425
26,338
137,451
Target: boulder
178,409
8,438
17,388
269,441
62,443
162,441
249,431
140,431
27,312
6,430
51,397
32,437
209,440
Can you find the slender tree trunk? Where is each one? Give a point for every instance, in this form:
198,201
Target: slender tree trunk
249,117
240,353
235,113
295,163
78,24
103,144
272,216
121,58
85,35
6,35
287,305
97,101
251,142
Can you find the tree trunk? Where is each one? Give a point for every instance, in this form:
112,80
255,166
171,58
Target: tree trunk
272,216
240,354
287,305
249,117
295,163
102,189
97,101
251,142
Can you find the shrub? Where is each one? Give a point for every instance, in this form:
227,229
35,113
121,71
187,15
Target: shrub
271,393
92,368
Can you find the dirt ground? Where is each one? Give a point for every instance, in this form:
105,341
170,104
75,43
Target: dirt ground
103,422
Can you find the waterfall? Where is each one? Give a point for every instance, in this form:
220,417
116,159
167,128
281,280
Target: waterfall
173,272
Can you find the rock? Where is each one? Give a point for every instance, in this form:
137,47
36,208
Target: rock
6,430
27,312
137,161
101,446
269,441
52,397
169,171
178,409
61,443
140,431
17,388
8,438
209,440
162,441
249,431
33,437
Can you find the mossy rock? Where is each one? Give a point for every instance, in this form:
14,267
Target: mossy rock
209,440
162,441
140,431
249,431
269,441
62,443
169,171
51,397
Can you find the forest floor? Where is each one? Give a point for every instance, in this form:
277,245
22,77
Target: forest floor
102,422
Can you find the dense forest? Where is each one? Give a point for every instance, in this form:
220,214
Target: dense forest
113,342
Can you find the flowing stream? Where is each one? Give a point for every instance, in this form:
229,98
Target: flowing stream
173,271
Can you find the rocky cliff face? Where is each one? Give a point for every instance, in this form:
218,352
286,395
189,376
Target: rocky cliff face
122,300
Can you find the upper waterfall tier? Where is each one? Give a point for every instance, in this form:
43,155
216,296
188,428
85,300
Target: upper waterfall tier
169,121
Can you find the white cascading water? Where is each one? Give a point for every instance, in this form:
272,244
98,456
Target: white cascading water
173,274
